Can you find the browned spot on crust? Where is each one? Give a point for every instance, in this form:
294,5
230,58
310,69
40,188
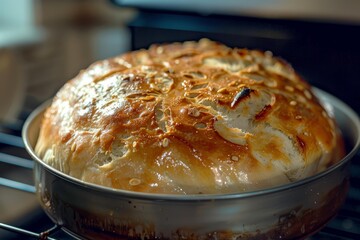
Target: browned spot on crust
301,143
263,113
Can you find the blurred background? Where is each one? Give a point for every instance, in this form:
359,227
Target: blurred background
44,43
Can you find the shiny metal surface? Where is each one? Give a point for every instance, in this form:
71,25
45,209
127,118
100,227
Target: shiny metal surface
294,210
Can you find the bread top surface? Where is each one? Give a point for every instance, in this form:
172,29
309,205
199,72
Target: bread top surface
188,118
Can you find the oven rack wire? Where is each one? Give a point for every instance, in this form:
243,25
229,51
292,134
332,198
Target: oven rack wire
346,225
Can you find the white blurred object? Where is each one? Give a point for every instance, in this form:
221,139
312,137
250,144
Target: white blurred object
17,31
19,36
17,13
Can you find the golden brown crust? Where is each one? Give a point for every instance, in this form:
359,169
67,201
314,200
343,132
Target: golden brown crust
188,118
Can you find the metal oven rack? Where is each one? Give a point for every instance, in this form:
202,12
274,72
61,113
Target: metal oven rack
346,225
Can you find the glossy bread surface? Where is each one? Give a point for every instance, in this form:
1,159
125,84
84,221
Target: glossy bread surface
189,118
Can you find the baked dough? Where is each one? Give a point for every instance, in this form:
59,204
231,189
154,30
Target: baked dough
189,118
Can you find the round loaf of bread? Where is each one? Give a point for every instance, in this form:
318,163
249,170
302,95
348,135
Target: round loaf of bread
189,118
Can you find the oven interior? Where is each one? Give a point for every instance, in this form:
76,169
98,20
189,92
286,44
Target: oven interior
326,54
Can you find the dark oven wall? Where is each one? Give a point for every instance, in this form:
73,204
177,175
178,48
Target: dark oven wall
325,54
